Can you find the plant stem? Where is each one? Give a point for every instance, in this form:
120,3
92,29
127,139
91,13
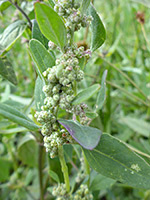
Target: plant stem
64,167
87,168
122,89
144,34
24,14
130,94
40,171
126,76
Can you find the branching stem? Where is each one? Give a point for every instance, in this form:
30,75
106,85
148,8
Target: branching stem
64,167
23,13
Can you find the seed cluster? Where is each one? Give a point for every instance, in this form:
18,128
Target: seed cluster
71,13
81,174
60,81
82,193
59,94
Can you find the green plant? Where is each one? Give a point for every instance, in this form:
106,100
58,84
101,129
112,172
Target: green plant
65,113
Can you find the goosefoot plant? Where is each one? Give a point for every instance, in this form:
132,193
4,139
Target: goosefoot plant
62,118
60,88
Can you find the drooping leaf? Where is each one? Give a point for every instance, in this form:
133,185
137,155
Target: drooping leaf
100,182
51,24
39,95
28,151
85,94
13,130
144,2
112,158
98,30
4,4
17,117
54,176
85,5
7,71
102,92
5,166
86,136
11,34
91,115
138,125
36,34
51,2
41,57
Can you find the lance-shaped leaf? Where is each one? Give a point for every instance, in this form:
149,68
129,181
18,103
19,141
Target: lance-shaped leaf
5,169
17,117
51,24
86,136
41,57
138,125
11,34
85,5
51,2
144,2
39,95
85,94
28,151
4,4
7,71
112,158
36,34
102,92
98,30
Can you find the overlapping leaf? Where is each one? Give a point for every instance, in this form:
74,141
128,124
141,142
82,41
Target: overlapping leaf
51,24
112,158
86,136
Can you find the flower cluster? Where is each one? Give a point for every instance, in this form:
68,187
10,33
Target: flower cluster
82,193
74,18
81,174
59,94
60,192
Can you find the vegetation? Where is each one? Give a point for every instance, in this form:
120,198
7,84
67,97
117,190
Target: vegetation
74,100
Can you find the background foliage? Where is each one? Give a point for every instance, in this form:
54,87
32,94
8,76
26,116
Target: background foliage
125,114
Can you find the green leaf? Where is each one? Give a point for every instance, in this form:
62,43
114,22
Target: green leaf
144,2
91,115
36,34
51,24
85,5
41,57
28,151
4,4
54,176
85,94
86,136
5,166
112,158
100,182
51,3
13,130
138,125
7,71
17,117
39,95
98,30
102,93
11,34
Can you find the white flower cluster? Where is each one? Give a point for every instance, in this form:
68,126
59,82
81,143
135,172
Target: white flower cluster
71,13
82,193
81,174
59,94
